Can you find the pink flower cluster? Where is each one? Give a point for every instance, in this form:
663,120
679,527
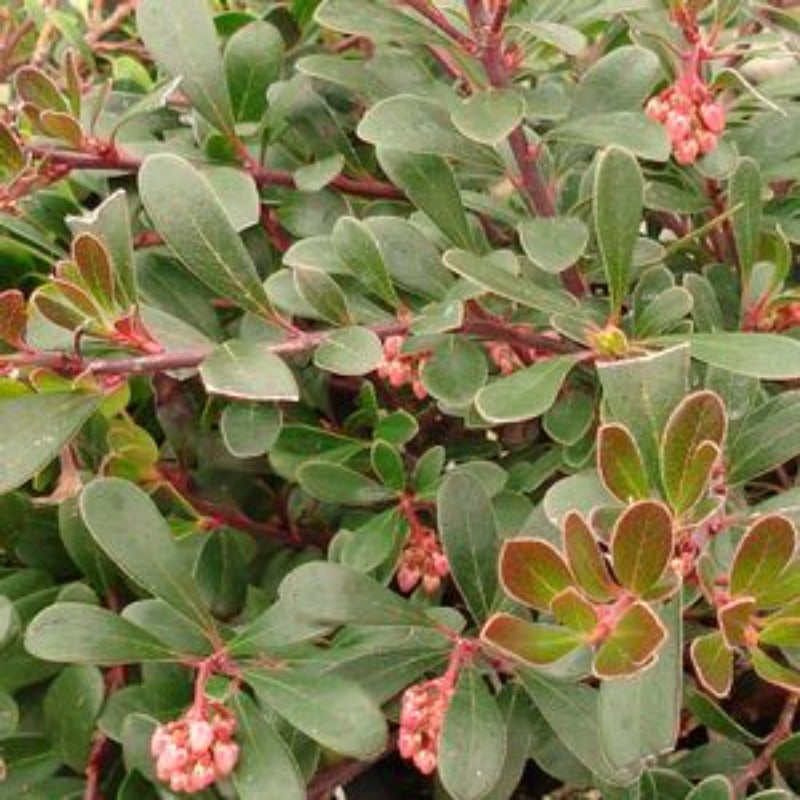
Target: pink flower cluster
422,559
422,711
401,370
692,118
505,357
196,750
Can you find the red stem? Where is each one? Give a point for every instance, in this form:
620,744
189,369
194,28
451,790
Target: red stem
263,176
781,731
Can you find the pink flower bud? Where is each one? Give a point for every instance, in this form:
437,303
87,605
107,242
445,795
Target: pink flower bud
655,109
679,127
201,736
398,374
407,578
224,726
179,782
225,757
706,141
425,761
713,116
159,741
418,387
431,583
441,565
392,346
686,152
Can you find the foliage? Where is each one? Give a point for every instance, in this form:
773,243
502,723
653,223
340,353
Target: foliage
411,376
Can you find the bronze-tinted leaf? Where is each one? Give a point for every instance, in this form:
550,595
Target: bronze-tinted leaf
713,663
691,444
13,318
642,545
620,464
533,572
530,642
633,643
585,559
735,621
761,556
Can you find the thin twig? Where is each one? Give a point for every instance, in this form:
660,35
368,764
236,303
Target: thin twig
781,731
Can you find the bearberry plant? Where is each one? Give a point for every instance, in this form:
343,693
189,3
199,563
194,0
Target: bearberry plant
399,391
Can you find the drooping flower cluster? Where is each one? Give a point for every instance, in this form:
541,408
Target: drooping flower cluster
505,357
422,559
402,370
693,119
196,750
422,711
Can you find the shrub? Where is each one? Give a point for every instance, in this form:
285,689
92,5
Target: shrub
399,376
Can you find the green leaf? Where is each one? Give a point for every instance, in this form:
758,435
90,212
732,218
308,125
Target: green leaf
525,394
35,428
620,464
334,712
639,716
631,130
322,293
622,79
766,438
250,429
195,225
126,524
418,125
561,704
562,37
410,256
771,671
468,532
618,205
183,41
641,545
533,572
553,243
569,420
473,740
692,440
349,351
759,355
253,58
387,464
641,394
710,714
277,627
489,116
455,372
9,715
335,594
358,250
745,190
631,646
83,634
218,572
536,644
111,223
71,706
376,22
247,369
781,633
585,559
713,663
484,272
332,483
266,769
762,554
516,710
716,787
430,184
